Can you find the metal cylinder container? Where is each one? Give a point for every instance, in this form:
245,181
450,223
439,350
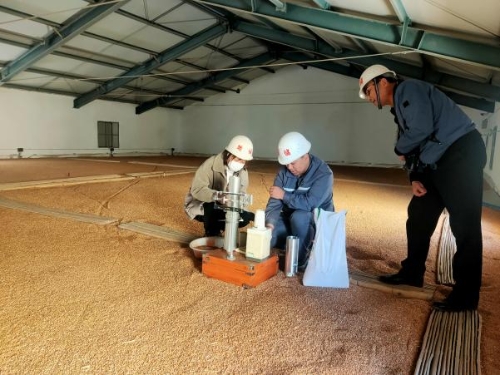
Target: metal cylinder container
291,256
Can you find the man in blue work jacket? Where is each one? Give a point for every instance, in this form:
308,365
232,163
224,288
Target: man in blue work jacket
302,184
445,156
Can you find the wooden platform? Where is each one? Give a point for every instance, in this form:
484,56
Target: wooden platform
406,291
95,219
158,231
240,271
70,181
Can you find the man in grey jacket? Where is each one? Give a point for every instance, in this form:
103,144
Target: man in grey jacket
212,177
303,183
445,156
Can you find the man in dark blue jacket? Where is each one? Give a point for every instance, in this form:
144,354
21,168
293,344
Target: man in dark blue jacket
445,156
301,185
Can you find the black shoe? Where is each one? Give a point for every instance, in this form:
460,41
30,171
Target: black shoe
450,305
398,279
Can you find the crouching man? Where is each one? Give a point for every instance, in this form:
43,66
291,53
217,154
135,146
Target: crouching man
303,183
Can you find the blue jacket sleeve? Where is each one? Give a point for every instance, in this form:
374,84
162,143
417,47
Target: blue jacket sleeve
415,114
273,208
320,191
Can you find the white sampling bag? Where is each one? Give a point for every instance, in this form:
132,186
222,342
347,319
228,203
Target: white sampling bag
327,264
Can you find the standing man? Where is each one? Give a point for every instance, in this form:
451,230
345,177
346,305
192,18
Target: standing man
302,184
445,156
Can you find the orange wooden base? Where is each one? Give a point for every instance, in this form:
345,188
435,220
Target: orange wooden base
240,271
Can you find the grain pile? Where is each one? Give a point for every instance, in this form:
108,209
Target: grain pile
80,298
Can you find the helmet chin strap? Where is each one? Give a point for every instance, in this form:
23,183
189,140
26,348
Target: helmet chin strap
379,104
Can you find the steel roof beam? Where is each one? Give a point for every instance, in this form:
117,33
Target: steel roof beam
220,14
60,92
316,36
468,101
170,54
241,80
284,37
471,102
196,86
218,89
178,33
323,4
400,11
300,57
24,15
89,34
94,61
487,91
202,69
77,77
174,107
69,29
172,31
81,78
403,17
140,49
223,15
192,98
378,31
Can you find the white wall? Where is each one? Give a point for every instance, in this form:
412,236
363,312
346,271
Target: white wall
45,124
325,107
493,171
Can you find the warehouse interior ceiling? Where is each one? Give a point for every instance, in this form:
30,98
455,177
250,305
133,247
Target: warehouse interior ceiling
176,53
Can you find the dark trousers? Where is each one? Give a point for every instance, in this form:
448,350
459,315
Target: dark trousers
214,219
457,185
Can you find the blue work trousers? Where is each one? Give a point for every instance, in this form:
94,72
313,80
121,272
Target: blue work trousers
298,223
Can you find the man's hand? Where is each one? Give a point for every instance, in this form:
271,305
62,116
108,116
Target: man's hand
276,192
418,189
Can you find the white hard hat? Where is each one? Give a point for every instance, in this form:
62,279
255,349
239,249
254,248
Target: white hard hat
292,146
369,74
241,147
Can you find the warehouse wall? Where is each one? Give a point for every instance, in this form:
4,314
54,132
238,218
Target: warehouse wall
492,133
45,124
323,106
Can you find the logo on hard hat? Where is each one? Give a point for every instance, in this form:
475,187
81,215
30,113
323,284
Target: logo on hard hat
287,152
250,151
361,81
239,147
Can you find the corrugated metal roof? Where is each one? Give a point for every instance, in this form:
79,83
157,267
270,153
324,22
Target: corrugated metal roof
176,53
